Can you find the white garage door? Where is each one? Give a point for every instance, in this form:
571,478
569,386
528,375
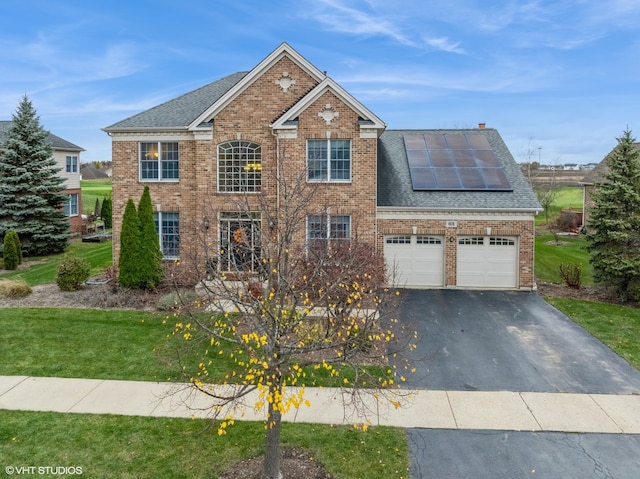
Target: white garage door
418,260
487,261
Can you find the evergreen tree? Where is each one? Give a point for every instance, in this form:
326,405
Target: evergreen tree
31,192
12,250
614,222
128,264
106,212
150,256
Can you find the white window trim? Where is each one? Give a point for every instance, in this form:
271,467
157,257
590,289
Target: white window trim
159,231
68,204
159,179
329,179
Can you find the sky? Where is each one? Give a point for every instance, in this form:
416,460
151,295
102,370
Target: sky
558,80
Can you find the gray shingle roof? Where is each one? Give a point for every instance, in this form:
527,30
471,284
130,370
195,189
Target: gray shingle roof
182,111
395,188
55,141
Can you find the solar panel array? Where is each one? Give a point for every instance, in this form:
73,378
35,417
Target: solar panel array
463,162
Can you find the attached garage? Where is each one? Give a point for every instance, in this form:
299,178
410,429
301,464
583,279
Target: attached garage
418,260
487,262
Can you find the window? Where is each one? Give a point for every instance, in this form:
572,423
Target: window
71,205
239,167
428,240
159,161
168,228
72,164
471,240
497,241
399,240
325,228
240,242
329,160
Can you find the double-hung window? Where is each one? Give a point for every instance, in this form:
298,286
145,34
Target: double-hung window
159,161
72,164
239,167
329,160
168,228
71,205
324,228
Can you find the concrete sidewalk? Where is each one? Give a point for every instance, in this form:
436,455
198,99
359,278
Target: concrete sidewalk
476,410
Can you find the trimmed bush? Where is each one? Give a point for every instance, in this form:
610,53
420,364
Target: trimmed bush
14,288
72,273
128,265
106,212
149,254
12,250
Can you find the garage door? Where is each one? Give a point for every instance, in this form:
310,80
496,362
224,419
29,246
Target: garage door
418,260
487,261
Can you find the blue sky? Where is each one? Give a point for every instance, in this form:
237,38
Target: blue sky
559,80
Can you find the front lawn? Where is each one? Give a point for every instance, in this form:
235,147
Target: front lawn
142,447
76,343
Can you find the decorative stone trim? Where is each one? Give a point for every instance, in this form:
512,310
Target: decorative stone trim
328,114
285,82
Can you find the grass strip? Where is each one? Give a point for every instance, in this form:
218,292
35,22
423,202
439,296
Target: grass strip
616,326
123,447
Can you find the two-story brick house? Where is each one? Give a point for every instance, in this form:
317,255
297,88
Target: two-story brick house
206,151
67,157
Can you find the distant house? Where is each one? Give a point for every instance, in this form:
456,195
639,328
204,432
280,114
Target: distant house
67,156
90,172
596,175
447,208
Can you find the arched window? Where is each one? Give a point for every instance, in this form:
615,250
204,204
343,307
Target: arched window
239,167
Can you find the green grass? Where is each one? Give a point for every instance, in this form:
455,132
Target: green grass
549,256
567,197
92,190
142,447
114,344
616,326
99,256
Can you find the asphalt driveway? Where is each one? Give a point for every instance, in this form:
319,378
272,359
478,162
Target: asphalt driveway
507,341
512,341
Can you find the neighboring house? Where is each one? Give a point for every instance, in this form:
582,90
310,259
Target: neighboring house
596,175
448,208
90,172
67,156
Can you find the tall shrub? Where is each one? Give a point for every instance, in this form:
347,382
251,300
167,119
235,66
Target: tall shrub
12,253
106,212
128,264
150,256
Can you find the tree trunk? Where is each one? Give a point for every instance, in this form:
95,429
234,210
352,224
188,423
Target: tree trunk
274,423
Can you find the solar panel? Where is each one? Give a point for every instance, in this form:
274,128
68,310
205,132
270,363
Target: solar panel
454,162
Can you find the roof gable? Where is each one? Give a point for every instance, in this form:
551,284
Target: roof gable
283,50
54,141
328,85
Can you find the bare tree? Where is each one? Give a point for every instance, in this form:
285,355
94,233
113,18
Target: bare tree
285,309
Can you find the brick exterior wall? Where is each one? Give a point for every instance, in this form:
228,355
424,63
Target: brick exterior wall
248,117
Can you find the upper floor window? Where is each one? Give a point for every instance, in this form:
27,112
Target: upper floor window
329,160
72,164
159,161
239,167
168,227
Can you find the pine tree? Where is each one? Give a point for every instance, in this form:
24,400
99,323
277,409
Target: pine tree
128,264
150,255
31,192
614,222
